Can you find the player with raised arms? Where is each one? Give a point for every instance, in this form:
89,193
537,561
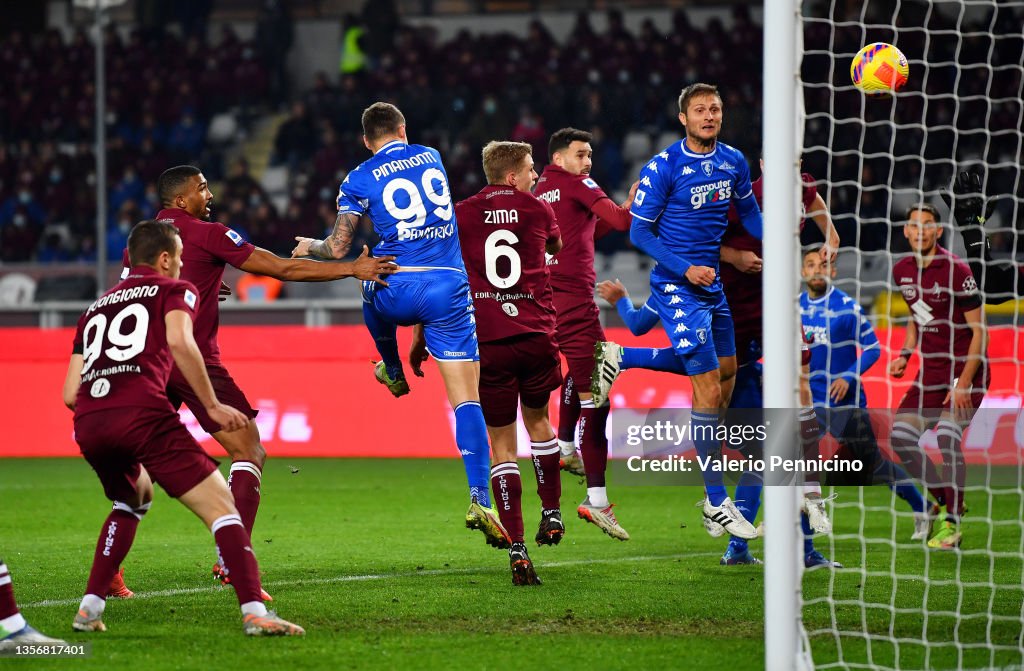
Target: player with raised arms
209,246
1000,280
403,188
679,218
505,231
125,346
948,324
580,204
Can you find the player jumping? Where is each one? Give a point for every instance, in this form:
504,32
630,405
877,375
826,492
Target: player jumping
579,203
679,217
403,188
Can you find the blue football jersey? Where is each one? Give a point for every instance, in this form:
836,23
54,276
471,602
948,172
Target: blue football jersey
685,197
838,328
404,189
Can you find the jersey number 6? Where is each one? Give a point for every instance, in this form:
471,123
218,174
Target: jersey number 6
498,246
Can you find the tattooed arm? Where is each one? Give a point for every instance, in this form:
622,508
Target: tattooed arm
335,245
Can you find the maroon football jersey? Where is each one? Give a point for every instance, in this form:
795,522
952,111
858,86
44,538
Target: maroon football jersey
572,197
208,247
743,290
123,340
938,296
503,233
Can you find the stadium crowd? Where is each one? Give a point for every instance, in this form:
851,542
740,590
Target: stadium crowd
458,94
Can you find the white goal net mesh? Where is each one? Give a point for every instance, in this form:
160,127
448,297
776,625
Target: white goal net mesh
897,603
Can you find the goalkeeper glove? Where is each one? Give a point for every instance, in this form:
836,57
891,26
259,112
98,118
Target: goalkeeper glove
967,202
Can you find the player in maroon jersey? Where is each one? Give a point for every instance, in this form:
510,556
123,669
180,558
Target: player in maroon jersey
947,322
579,203
504,231
209,247
125,346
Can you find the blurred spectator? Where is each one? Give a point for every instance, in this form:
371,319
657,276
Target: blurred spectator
353,55
274,37
380,17
296,138
530,129
23,202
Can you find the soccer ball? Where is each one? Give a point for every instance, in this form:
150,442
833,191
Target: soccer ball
879,69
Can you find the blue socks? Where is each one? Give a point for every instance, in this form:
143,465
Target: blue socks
748,501
664,359
805,524
384,337
704,427
471,439
900,481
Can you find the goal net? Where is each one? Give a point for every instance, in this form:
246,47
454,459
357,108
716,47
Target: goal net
898,603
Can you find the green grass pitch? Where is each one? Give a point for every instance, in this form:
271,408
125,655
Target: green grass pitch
372,558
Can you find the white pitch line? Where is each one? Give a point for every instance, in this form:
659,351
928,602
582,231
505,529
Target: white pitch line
377,576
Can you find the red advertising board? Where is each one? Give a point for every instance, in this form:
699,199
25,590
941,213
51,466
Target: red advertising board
318,398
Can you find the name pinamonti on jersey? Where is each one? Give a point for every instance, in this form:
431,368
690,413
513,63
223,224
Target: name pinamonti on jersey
397,165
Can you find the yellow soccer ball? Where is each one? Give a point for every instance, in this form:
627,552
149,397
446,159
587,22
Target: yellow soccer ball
879,69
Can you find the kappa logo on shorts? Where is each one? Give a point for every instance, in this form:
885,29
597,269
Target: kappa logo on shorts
681,328
234,237
670,288
100,388
702,335
675,300
678,313
684,343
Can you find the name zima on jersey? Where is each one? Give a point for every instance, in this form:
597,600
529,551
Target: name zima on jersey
404,190
688,195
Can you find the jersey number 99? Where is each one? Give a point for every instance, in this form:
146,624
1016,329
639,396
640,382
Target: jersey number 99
123,346
414,214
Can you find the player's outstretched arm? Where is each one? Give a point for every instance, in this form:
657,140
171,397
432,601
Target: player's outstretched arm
335,245
819,214
366,267
73,380
743,260
189,360
616,216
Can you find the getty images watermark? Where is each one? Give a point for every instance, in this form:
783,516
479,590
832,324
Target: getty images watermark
659,447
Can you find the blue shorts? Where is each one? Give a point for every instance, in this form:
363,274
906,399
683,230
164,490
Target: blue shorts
440,300
699,324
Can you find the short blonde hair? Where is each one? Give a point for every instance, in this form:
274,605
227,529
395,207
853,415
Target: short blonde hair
501,158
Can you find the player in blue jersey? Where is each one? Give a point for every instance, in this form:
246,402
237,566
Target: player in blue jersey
403,189
679,217
843,346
